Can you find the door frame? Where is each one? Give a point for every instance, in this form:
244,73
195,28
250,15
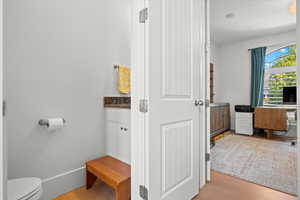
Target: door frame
3,156
207,88
139,91
204,94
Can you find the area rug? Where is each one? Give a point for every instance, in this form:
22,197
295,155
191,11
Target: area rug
261,161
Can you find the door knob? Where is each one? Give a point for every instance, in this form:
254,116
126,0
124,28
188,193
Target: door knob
199,102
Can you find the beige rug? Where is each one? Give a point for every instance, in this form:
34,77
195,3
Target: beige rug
264,162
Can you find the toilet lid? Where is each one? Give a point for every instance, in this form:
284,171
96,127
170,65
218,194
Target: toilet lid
22,187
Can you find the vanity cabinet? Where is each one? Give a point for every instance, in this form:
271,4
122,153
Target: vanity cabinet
117,133
219,118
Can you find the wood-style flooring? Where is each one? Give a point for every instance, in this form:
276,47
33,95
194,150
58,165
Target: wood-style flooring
221,187
99,191
224,187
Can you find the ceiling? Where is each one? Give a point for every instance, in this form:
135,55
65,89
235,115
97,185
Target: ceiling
252,18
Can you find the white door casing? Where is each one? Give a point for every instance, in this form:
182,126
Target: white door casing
208,91
137,93
174,80
3,157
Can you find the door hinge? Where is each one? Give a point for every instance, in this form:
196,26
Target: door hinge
143,15
3,108
207,157
207,47
207,102
143,105
143,192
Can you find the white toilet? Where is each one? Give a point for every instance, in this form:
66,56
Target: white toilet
24,189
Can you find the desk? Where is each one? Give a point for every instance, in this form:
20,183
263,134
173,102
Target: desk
271,119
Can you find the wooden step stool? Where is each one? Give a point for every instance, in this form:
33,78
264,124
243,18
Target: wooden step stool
111,171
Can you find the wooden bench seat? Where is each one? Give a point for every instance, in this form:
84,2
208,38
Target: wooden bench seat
111,171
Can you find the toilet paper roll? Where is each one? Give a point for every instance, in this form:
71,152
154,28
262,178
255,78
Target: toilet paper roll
55,123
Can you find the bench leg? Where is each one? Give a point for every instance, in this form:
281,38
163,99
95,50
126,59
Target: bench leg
90,179
123,191
269,134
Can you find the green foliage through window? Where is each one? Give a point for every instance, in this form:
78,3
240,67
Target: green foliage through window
280,72
287,60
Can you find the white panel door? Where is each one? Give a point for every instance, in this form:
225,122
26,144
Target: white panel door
173,85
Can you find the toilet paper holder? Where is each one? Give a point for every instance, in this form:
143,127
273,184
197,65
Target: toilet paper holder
45,122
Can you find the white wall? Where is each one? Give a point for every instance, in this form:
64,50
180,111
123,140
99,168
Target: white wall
213,60
59,62
213,52
233,69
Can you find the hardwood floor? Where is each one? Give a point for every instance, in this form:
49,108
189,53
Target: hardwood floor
221,187
99,191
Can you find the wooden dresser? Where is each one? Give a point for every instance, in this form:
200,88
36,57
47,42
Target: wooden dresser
219,118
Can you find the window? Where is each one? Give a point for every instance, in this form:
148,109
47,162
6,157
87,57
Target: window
280,72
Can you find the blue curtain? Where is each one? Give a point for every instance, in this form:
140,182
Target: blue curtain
257,76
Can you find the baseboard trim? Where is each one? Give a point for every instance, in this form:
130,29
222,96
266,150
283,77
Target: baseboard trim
62,183
63,174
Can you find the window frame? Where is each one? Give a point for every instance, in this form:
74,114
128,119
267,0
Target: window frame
286,69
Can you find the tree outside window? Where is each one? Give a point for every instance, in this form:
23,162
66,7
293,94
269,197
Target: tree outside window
280,72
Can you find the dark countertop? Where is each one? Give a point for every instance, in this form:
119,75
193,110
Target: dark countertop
117,102
218,104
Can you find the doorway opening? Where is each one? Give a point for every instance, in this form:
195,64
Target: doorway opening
253,92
